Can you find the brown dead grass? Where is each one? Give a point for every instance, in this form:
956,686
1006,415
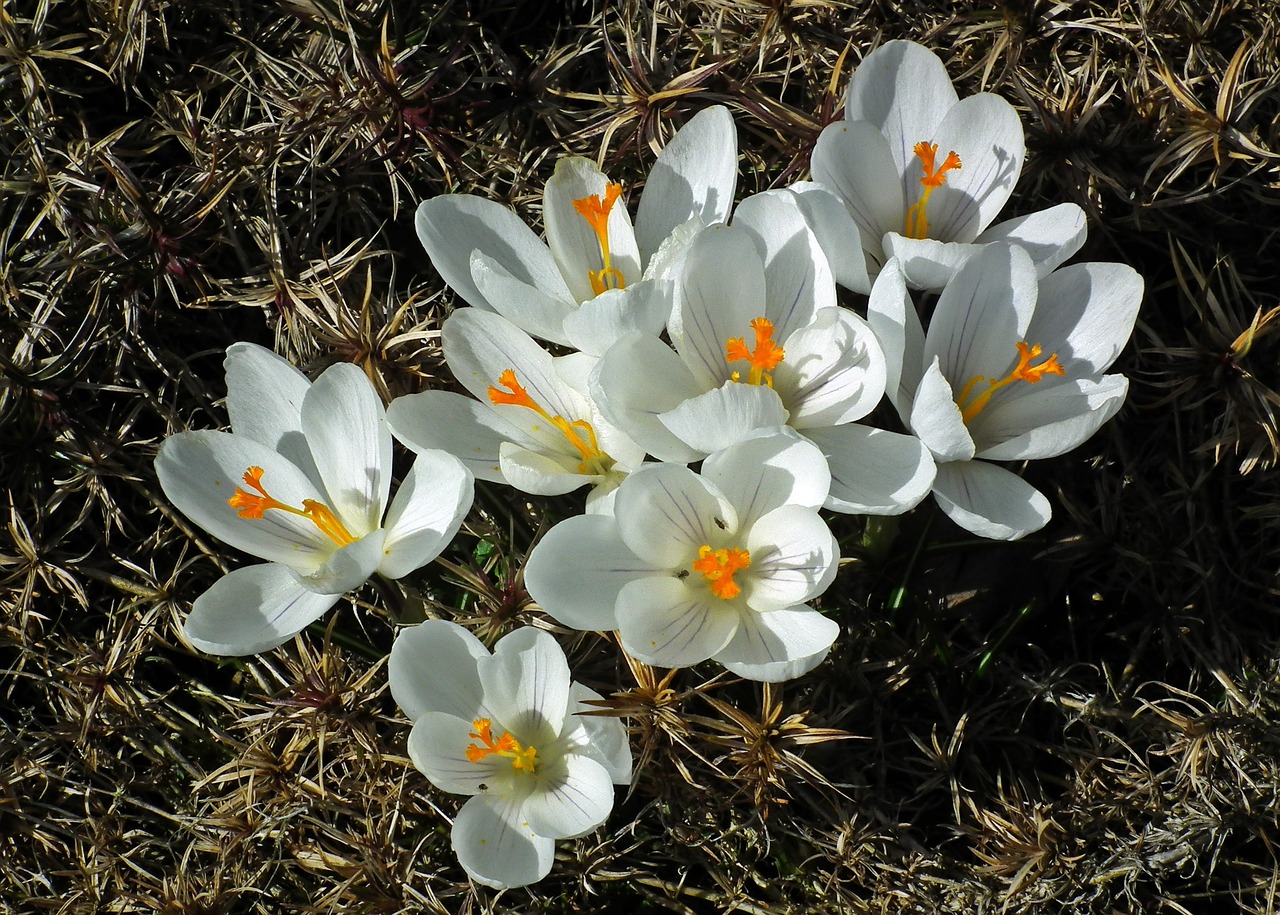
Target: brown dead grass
1083,719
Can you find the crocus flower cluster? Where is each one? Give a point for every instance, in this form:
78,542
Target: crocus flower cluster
701,373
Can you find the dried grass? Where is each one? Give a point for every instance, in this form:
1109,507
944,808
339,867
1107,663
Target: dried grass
1084,719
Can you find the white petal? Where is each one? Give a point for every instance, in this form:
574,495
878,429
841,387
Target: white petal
1047,424
599,323
432,668
539,473
572,241
927,263
839,235
985,130
793,559
903,89
768,470
253,609
874,472
778,646
200,471
665,512
574,802
982,314
521,303
480,346
348,567
662,621
442,420
853,159
1050,236
892,317
346,428
990,501
438,747
638,379
451,226
264,401
798,280
602,738
1086,314
937,420
426,513
496,847
725,415
722,289
576,570
694,178
526,684
833,372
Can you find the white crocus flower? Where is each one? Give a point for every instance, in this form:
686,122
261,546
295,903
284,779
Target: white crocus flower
531,425
760,342
1011,369
507,729
595,277
923,173
691,567
302,481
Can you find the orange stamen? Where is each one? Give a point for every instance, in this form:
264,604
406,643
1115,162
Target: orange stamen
596,212
764,357
917,225
718,566
522,758
1023,371
250,506
579,433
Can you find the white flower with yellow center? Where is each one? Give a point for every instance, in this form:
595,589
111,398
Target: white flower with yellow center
691,567
595,277
759,343
302,481
1011,369
923,173
507,729
530,425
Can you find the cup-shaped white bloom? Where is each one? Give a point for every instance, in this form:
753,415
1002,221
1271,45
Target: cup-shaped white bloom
923,172
531,425
691,567
760,342
1011,369
595,277
507,729
303,481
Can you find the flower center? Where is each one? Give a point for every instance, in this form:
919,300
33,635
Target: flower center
251,505
718,566
764,357
578,433
523,759
917,225
596,212
972,401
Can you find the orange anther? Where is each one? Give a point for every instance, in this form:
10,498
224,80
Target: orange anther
1023,371
718,566
917,224
764,356
251,506
596,212
522,758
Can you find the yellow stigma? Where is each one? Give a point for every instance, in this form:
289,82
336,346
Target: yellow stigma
718,566
249,505
523,759
917,225
971,405
578,433
764,357
596,212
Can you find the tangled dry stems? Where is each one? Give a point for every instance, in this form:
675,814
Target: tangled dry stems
1095,728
